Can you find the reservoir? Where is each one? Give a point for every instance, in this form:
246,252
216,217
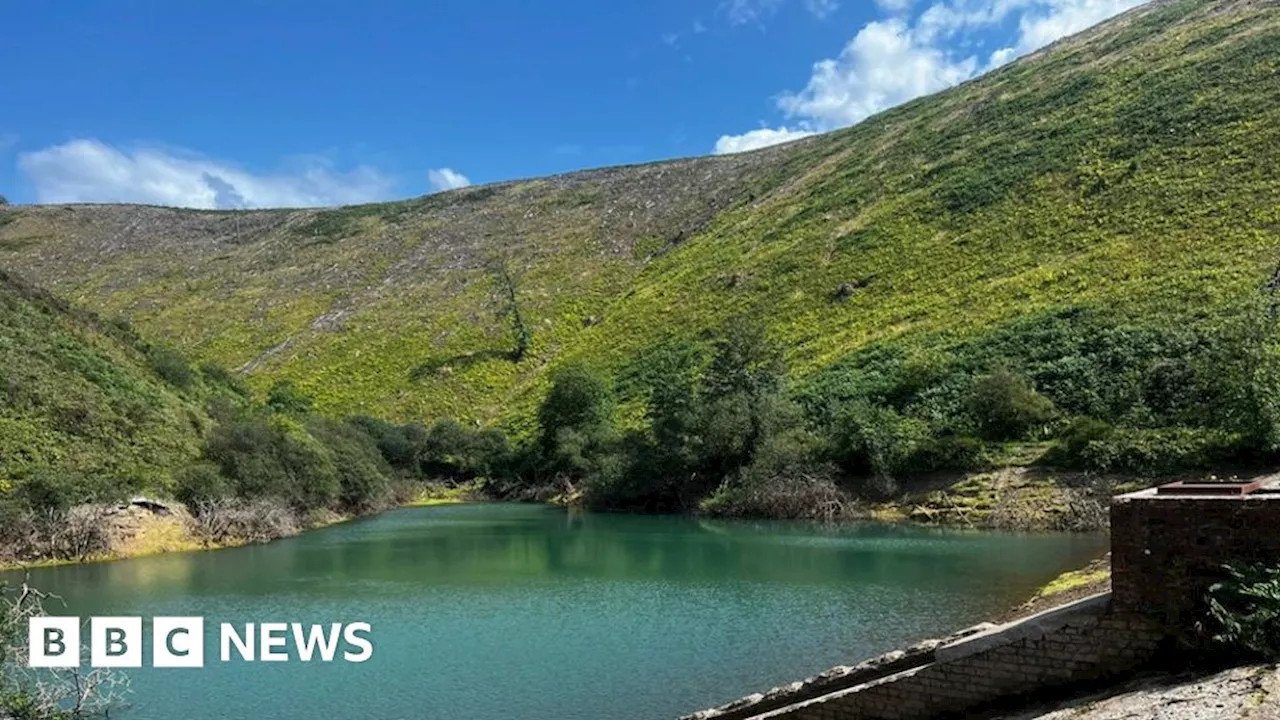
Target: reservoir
528,612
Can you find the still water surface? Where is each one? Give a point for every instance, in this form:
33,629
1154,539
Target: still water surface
507,611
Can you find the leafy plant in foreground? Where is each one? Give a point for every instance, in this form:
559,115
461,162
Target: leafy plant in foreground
1244,610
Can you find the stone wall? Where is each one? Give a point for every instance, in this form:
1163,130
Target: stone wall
1080,642
1167,549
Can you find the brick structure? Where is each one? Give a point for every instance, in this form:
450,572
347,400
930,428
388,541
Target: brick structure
1167,549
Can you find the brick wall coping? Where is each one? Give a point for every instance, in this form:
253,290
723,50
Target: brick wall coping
837,678
903,663
1269,492
1034,626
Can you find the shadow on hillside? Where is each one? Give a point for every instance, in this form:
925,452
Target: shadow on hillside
458,362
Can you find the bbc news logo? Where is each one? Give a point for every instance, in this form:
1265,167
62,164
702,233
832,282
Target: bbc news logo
179,642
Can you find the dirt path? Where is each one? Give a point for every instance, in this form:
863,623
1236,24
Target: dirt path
1245,693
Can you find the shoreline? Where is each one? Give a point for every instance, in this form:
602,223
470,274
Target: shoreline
1018,499
1013,498
169,533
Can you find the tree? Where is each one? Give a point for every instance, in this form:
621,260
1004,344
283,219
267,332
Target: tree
505,282
57,694
746,360
580,399
577,421
742,397
3,201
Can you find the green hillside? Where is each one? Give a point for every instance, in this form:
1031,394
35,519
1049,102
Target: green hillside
1129,173
88,401
1130,168
91,414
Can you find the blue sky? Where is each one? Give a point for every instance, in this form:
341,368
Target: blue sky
316,102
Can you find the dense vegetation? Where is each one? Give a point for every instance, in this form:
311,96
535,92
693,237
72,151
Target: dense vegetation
1069,261
726,433
90,414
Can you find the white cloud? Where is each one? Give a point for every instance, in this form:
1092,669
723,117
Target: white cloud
756,139
741,12
821,8
885,64
893,60
895,6
1061,18
442,179
92,171
746,11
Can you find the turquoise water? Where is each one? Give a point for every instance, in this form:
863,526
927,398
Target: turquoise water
532,613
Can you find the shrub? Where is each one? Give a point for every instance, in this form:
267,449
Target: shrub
200,484
222,378
275,457
449,449
949,452
876,444
363,474
1072,448
171,366
784,481
403,446
1004,406
1244,611
1151,452
284,396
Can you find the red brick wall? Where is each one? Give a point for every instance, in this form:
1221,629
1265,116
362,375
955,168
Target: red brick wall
1166,552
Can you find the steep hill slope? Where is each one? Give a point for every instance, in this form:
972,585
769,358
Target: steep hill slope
1132,169
84,403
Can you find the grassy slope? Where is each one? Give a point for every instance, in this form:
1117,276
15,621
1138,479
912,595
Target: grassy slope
1132,168
78,394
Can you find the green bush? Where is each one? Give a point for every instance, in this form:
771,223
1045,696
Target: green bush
364,482
275,457
401,445
877,444
223,379
1148,452
172,367
200,484
284,396
1244,611
1004,406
